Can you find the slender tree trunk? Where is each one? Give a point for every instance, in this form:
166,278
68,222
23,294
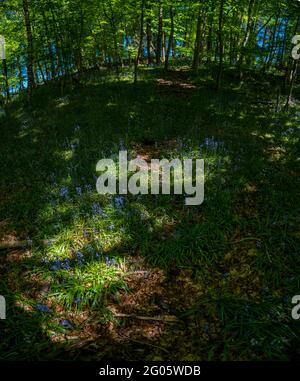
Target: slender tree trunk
273,42
292,82
171,38
149,41
163,51
221,45
195,64
291,74
30,49
20,76
209,41
51,55
159,34
289,71
140,43
247,36
5,75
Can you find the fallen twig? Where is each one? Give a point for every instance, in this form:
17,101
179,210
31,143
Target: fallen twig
164,319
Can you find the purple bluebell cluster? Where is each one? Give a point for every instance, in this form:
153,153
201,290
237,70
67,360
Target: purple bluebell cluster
88,188
98,211
64,264
119,201
286,301
64,192
110,262
212,143
79,257
66,324
78,191
98,255
42,308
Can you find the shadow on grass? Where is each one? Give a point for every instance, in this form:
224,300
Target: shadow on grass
242,242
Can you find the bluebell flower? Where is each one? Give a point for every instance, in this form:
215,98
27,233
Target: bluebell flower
98,211
56,265
78,191
79,257
110,262
113,262
119,201
285,301
77,300
111,227
65,265
42,307
88,188
97,255
64,192
66,324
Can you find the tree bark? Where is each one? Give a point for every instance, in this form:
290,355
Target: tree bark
171,38
30,49
149,40
140,42
159,34
247,37
199,40
5,79
221,45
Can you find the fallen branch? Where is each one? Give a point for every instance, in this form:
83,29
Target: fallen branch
164,319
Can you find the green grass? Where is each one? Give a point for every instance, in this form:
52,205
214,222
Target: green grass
239,250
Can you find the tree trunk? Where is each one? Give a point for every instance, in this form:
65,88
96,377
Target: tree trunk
292,82
247,37
273,42
140,42
51,55
30,50
171,38
149,40
5,79
197,48
221,45
20,76
159,34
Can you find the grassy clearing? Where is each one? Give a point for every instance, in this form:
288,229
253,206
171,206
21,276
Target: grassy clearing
229,266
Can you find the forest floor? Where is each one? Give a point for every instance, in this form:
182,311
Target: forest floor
145,277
